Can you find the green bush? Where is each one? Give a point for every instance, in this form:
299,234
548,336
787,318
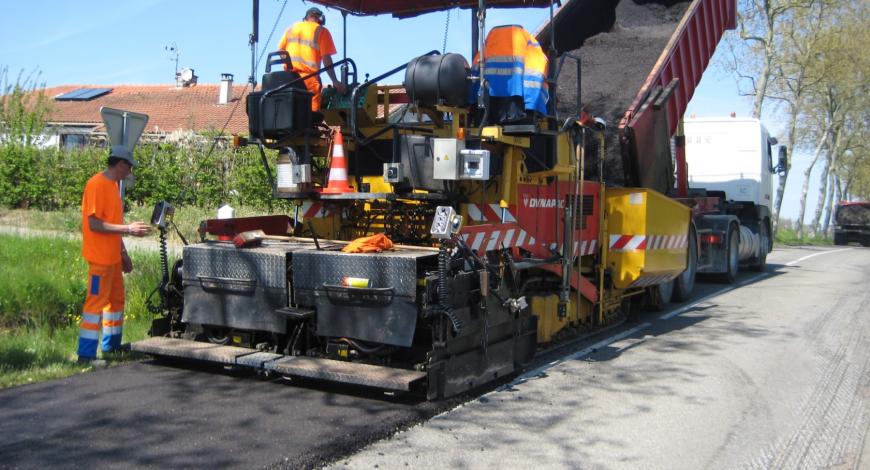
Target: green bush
51,179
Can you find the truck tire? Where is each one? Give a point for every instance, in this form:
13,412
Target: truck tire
684,284
658,297
763,242
732,256
839,239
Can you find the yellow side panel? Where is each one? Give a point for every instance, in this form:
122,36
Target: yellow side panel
546,308
646,236
377,184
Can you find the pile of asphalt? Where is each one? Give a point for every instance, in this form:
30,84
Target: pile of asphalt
615,62
854,214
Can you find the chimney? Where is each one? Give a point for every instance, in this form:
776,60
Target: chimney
226,90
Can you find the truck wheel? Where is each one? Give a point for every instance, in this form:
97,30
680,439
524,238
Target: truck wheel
684,284
732,256
658,297
839,239
763,242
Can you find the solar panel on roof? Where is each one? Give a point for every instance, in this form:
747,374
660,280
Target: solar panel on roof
83,94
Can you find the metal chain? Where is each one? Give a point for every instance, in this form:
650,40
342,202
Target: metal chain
446,28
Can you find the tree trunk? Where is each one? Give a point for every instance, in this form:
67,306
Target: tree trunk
832,203
829,202
826,170
823,195
799,228
789,142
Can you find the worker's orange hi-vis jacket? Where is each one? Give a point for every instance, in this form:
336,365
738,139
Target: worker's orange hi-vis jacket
306,42
515,66
101,198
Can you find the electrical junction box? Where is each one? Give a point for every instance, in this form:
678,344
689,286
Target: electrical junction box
474,165
447,158
393,173
300,174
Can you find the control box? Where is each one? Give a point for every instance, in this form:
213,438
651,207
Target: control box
474,165
447,158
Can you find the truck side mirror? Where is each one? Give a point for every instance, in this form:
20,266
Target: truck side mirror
782,166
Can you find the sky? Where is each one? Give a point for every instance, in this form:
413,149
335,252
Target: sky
106,42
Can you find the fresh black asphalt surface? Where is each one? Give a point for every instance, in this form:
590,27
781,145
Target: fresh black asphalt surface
182,415
150,415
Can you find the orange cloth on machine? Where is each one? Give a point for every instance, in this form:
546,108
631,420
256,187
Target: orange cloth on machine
373,244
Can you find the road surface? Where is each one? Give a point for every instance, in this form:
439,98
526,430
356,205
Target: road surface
773,374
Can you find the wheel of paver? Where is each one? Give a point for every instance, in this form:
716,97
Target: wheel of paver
763,242
732,256
659,296
684,284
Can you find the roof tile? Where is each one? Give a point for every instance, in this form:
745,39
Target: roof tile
168,108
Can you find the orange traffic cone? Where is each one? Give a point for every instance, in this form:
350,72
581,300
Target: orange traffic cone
338,169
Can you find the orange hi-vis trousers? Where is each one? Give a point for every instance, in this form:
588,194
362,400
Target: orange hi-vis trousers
103,310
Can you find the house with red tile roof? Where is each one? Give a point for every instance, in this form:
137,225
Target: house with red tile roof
197,108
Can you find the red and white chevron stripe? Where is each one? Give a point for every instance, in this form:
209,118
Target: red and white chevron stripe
619,243
313,210
483,238
667,242
627,243
488,213
647,281
581,247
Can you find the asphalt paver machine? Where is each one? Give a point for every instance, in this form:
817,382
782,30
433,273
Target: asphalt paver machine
505,235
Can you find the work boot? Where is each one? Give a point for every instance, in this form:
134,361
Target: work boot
123,348
92,362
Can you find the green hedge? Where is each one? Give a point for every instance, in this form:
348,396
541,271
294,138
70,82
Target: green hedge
51,179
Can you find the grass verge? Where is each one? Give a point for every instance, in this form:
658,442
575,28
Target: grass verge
787,236
40,306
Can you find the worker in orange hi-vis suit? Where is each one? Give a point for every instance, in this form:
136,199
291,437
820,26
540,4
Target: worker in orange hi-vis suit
308,43
516,66
103,249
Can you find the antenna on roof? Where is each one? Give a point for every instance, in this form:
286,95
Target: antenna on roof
252,41
173,50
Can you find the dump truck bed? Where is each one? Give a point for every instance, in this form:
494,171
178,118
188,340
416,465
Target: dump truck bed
627,50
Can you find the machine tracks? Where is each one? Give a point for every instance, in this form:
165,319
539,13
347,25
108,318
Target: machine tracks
834,416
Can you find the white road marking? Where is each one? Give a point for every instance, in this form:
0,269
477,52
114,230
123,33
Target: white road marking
792,263
607,341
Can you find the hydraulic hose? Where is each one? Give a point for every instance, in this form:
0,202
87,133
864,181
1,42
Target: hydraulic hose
164,279
444,286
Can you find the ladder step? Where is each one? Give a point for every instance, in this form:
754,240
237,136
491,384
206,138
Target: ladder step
187,349
347,372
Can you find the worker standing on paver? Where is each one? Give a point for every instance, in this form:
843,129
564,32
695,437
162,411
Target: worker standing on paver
309,43
515,72
103,249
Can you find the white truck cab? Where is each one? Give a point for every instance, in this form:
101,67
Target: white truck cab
732,159
734,155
